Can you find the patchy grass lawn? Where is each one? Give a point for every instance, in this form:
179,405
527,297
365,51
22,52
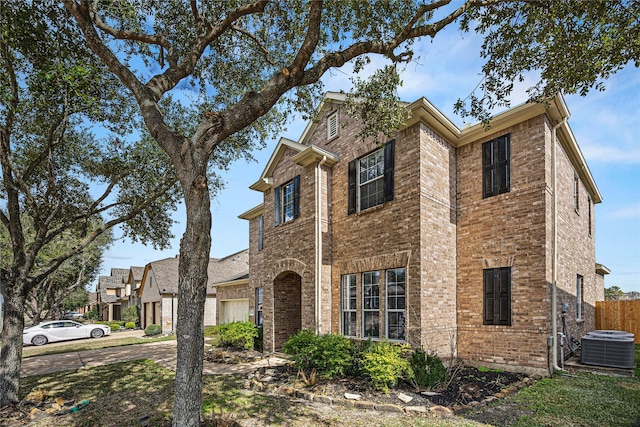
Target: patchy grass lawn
90,345
123,393
570,400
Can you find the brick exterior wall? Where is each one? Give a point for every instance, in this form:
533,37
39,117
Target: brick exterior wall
443,232
506,230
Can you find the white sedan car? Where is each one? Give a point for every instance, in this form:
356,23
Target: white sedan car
62,330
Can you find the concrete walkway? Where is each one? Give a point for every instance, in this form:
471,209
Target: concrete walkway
162,353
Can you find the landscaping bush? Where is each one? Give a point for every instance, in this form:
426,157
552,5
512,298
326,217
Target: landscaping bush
428,370
330,355
131,314
130,325
385,364
240,335
153,329
258,344
211,331
115,326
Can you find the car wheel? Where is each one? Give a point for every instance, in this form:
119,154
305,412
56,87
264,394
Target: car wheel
97,333
39,340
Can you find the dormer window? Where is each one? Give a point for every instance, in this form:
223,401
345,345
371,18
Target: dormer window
332,125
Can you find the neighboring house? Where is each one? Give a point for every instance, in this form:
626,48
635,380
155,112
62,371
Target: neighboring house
110,290
440,237
93,301
133,281
159,290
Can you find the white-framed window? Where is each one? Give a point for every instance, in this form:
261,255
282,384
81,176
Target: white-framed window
371,304
371,179
287,201
579,296
258,306
576,192
260,232
396,284
348,305
332,125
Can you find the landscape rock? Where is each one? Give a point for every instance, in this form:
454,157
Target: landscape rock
441,411
405,398
430,393
416,409
352,396
389,408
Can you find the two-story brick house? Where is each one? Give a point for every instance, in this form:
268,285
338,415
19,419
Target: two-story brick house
441,237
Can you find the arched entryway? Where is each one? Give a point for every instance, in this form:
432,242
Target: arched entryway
287,307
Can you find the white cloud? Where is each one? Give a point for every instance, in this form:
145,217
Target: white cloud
629,212
595,153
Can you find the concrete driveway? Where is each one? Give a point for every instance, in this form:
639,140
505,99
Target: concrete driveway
162,353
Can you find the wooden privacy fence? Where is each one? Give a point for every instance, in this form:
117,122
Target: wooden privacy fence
619,316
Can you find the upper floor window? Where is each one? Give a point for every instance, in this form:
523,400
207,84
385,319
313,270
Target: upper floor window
371,179
260,232
287,201
576,192
497,296
332,125
589,219
496,175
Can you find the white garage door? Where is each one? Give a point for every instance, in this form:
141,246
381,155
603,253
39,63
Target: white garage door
234,310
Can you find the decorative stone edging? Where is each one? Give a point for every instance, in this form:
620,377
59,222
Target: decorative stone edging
434,411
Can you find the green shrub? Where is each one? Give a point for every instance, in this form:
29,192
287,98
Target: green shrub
330,355
384,364
211,331
130,325
258,344
240,335
152,329
93,313
428,370
115,326
131,314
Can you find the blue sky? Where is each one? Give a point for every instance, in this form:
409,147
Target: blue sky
606,126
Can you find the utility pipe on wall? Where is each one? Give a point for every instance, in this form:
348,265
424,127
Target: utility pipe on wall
554,258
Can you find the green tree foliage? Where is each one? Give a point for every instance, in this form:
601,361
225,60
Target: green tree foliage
71,166
214,80
613,293
131,314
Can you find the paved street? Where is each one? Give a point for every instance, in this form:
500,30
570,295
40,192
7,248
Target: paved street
162,353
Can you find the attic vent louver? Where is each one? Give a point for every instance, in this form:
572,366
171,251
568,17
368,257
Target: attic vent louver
332,125
608,348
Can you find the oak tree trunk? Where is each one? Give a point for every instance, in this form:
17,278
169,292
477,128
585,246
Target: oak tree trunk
11,352
192,286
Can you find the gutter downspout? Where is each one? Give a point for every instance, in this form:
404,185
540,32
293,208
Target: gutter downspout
318,328
554,259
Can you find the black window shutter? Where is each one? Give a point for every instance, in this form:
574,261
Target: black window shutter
276,204
502,164
296,196
503,290
487,169
352,187
489,297
389,163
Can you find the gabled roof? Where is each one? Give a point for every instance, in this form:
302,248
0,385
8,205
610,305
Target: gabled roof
220,270
135,275
306,154
422,110
120,272
109,282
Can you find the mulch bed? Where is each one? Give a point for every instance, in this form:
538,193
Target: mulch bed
467,385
